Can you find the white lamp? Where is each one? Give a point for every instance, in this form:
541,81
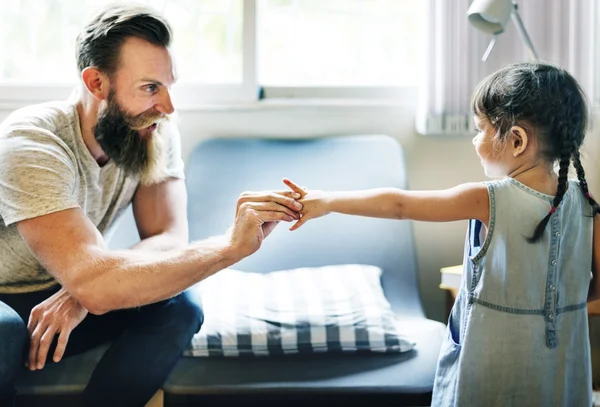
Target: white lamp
491,16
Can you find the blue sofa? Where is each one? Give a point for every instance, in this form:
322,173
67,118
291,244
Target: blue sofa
217,171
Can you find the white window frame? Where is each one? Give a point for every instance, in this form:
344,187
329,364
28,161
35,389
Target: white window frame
246,92
190,95
389,93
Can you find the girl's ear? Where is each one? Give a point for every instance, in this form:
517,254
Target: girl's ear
519,138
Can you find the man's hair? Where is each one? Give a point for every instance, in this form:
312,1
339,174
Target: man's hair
99,43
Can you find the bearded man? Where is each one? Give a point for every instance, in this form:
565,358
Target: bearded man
68,169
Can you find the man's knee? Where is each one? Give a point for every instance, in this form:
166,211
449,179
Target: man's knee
180,314
13,338
188,311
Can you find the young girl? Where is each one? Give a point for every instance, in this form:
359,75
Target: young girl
518,332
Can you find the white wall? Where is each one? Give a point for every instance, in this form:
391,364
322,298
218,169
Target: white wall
432,163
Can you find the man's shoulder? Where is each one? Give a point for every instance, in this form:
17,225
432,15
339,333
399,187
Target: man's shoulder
38,133
52,124
53,117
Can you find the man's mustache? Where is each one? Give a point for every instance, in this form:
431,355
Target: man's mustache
145,119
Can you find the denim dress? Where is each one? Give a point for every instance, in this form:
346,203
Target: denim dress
518,332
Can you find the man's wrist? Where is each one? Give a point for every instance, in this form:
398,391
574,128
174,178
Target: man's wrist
230,251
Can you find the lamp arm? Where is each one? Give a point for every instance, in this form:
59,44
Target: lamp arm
521,28
486,54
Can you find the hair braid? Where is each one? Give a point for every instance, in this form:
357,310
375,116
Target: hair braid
563,172
583,183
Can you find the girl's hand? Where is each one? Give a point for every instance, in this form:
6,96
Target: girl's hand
314,203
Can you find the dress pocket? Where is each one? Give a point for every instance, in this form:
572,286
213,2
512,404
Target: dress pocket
453,330
444,387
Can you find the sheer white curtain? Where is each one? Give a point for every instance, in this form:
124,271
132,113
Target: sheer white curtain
562,32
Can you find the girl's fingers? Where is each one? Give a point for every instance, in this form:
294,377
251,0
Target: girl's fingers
294,187
299,223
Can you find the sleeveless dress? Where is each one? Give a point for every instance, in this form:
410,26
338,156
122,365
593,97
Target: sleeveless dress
518,332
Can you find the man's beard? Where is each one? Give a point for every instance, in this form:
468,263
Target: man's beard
117,133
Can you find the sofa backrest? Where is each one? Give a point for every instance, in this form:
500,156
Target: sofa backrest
220,169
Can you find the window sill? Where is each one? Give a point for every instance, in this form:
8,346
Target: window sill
315,105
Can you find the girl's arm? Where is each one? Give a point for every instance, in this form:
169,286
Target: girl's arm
466,201
594,292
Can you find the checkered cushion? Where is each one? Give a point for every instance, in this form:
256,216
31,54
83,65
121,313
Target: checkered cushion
338,308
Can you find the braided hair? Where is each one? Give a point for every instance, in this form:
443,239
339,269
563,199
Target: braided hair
548,100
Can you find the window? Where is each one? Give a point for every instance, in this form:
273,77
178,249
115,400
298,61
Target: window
339,43
225,49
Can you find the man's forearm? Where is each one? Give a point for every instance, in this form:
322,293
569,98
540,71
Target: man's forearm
162,242
130,278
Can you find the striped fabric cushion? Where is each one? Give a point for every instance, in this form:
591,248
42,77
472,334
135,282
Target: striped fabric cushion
338,308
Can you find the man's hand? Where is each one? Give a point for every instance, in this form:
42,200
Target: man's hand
257,214
59,314
314,203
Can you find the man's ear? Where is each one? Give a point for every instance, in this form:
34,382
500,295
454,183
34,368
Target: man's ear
96,83
519,140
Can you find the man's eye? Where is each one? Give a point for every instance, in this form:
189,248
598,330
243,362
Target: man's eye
151,88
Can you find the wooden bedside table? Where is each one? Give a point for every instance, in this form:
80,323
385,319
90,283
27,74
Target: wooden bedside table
450,281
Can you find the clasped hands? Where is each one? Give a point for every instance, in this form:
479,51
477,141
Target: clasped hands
257,214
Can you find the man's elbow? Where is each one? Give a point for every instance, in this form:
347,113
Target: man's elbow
91,300
89,292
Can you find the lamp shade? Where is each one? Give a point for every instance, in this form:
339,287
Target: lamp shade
490,16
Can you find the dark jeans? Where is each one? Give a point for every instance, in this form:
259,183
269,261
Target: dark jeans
147,342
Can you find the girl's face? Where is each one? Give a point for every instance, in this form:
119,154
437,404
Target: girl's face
490,150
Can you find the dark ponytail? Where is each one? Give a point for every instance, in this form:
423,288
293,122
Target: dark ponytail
583,183
563,184
549,102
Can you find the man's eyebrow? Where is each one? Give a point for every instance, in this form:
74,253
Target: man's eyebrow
157,82
153,81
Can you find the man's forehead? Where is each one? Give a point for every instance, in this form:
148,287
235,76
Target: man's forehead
140,60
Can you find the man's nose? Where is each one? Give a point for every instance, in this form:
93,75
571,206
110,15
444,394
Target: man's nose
164,104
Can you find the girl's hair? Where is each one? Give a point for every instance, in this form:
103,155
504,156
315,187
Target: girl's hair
547,101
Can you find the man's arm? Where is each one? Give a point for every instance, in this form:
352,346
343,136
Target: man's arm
69,246
160,213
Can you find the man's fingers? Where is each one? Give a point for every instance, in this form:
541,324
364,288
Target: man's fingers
32,323
61,345
272,216
284,192
273,196
272,206
34,343
294,187
289,193
45,342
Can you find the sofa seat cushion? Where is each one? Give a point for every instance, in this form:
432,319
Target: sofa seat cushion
400,373
70,375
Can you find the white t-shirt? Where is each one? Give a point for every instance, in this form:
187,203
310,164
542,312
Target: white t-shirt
45,167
